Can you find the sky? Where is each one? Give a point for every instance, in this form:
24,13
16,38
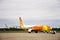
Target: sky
32,12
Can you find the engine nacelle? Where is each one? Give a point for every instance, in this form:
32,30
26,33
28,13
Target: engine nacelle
29,30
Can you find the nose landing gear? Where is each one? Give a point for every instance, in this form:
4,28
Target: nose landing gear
53,32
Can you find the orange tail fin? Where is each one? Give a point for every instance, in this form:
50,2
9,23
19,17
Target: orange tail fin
21,23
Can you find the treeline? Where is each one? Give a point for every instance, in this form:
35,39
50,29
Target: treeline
18,29
56,29
10,29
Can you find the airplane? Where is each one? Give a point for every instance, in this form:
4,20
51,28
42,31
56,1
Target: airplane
36,28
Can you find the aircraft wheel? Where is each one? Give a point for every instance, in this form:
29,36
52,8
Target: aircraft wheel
47,32
53,32
29,32
36,31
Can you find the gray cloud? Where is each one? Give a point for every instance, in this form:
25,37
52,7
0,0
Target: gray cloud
30,10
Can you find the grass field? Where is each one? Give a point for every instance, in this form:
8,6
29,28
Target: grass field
29,36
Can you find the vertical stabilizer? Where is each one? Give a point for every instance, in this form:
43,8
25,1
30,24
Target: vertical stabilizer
21,23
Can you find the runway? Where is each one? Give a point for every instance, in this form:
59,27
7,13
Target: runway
29,36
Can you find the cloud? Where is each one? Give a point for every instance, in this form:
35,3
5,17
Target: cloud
44,9
32,12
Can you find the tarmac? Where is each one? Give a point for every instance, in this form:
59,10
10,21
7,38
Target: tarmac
29,36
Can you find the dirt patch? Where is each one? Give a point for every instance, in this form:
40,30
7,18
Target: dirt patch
29,36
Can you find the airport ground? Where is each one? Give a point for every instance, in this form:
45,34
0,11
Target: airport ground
29,36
